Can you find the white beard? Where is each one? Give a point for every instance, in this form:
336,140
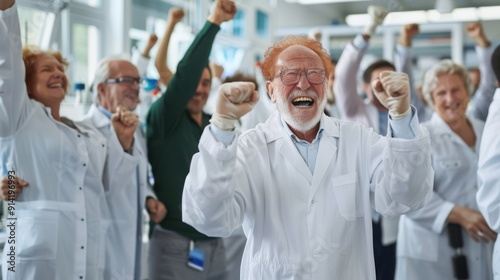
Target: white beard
295,121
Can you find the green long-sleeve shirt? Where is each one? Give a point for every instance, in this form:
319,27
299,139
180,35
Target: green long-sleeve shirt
173,136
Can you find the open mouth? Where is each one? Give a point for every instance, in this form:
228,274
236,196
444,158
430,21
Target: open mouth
56,85
302,102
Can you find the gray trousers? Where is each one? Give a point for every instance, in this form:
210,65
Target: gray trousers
168,257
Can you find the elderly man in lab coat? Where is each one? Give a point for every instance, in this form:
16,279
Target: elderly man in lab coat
488,194
117,84
303,184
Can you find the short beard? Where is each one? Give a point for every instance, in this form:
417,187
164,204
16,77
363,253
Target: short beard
295,121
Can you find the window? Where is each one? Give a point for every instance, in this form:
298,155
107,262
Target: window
85,50
262,24
36,26
235,27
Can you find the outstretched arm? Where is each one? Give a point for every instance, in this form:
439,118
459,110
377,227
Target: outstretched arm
141,60
403,63
13,96
164,113
174,16
484,94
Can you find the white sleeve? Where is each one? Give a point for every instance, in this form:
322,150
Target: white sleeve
401,173
211,202
13,95
140,62
488,194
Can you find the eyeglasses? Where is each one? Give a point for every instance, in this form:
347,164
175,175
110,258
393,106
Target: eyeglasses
315,76
124,80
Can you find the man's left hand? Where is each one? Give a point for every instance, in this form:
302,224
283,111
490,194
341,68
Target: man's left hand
125,123
156,210
393,91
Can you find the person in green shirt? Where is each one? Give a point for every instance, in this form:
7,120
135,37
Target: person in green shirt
175,123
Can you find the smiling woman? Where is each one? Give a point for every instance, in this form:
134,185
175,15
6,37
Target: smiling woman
45,75
455,139
60,214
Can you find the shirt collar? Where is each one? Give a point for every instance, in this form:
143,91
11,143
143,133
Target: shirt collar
104,111
297,139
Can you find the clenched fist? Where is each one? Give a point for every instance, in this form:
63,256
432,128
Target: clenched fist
393,91
233,101
124,123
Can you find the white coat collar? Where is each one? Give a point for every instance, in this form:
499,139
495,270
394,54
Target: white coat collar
66,122
98,118
441,129
274,127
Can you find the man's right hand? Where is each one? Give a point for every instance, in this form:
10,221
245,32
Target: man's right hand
175,15
233,101
224,10
19,185
408,32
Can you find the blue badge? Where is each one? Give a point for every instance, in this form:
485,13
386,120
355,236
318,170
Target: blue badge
196,258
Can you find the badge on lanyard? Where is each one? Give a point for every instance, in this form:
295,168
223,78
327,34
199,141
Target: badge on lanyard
196,258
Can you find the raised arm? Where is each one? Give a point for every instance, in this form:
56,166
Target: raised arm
484,94
141,60
350,104
403,63
166,110
12,85
174,16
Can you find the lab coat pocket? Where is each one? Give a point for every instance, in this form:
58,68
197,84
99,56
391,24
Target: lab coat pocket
346,195
415,241
36,235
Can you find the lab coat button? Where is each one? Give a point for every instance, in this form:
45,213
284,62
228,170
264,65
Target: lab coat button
82,247
313,201
84,164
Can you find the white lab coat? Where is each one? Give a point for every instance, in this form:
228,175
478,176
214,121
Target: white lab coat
126,200
423,250
59,233
488,195
300,225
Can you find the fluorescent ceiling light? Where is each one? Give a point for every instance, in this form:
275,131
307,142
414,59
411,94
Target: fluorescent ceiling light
457,15
311,2
489,13
397,18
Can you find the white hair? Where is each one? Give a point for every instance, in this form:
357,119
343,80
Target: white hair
445,66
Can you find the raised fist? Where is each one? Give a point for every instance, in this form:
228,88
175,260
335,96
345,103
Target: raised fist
393,91
233,101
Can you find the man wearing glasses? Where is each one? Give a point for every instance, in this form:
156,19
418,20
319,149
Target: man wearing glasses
302,184
116,87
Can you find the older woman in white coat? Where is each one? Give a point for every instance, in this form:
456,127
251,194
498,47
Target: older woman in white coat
59,221
423,248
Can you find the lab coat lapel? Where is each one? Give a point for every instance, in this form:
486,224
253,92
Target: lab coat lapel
327,153
276,132
290,153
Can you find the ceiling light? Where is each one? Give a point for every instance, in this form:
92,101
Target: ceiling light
311,2
457,15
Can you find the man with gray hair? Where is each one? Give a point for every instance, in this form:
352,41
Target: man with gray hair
116,89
